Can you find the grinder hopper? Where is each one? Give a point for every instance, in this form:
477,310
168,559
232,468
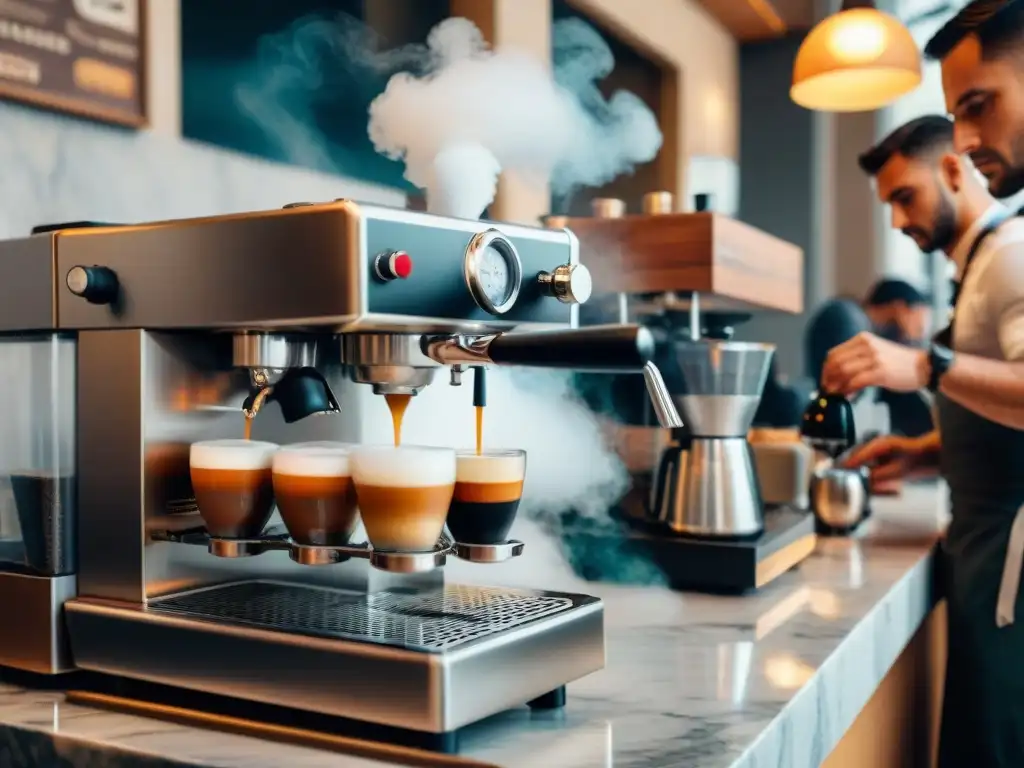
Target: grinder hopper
720,385
705,484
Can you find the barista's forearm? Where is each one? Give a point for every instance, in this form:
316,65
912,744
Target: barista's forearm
993,389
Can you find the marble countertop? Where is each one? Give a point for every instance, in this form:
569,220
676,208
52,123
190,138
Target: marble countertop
774,678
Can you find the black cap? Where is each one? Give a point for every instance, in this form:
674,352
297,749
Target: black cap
889,291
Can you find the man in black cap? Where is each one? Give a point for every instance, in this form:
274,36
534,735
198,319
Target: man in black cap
898,311
901,313
976,370
894,310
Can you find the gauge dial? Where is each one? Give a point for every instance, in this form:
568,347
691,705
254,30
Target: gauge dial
494,272
495,275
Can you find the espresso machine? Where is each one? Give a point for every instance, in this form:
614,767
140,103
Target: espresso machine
691,279
129,343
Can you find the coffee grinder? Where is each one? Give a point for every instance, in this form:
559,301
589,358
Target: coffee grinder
691,279
133,342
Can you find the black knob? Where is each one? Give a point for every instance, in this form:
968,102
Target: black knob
97,285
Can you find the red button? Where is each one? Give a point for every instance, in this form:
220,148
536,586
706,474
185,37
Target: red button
392,265
401,264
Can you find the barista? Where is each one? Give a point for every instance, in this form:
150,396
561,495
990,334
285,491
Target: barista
977,373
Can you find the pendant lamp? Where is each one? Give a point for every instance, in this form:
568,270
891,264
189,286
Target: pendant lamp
856,60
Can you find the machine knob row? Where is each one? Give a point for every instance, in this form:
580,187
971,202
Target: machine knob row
569,283
97,285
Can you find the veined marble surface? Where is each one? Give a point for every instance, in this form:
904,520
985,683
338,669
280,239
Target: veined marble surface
772,679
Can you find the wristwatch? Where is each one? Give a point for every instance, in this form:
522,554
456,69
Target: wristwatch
940,358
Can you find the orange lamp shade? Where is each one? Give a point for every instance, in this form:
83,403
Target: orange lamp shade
855,61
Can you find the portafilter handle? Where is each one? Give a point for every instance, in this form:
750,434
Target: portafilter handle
612,348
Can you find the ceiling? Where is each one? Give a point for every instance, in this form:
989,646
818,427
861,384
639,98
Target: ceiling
761,19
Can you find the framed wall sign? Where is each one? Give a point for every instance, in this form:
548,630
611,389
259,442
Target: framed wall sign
83,57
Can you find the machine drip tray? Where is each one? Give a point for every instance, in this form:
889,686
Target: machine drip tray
427,623
630,552
396,663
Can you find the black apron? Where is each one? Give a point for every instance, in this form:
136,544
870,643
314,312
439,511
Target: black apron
983,463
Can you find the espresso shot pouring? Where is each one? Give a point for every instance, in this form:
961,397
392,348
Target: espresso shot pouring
479,403
397,405
273,313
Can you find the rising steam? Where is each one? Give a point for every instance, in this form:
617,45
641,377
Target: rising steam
476,112
454,111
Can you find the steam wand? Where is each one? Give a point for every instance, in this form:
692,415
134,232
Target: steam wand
601,349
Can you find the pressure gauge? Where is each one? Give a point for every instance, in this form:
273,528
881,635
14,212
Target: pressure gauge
494,272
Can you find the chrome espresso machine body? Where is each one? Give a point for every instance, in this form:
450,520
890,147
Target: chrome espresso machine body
122,345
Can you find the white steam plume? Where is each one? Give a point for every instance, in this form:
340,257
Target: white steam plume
475,112
453,109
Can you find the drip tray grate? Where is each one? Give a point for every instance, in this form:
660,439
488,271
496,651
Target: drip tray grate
431,621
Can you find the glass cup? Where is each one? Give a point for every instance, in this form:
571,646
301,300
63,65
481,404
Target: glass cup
314,492
233,484
488,488
403,494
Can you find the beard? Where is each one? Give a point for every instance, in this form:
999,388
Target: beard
942,232
1008,180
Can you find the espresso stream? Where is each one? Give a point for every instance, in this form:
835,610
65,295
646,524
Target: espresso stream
397,404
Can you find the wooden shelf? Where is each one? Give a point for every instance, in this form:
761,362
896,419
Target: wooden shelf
685,252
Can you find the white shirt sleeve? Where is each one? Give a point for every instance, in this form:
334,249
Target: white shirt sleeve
1004,289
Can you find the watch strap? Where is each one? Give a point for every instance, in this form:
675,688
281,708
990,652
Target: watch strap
940,358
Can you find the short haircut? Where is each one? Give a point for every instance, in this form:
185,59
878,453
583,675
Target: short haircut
919,138
889,290
998,24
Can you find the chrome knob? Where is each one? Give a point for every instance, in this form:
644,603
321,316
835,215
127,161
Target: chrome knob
569,283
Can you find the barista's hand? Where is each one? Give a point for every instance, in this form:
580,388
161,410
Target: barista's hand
868,361
894,458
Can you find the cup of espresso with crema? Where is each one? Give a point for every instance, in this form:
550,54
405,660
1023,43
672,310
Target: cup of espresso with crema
314,492
488,487
233,484
403,494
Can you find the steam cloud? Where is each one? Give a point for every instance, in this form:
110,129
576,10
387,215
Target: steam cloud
458,114
475,112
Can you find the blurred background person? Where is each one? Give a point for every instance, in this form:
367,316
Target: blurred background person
892,309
